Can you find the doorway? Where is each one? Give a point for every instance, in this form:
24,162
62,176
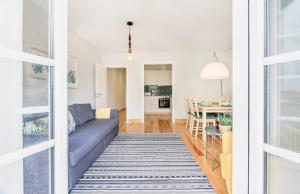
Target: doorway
116,90
158,91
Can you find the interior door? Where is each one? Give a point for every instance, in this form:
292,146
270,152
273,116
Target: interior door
100,85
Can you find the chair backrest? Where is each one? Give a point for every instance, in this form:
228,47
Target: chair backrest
191,106
187,105
195,107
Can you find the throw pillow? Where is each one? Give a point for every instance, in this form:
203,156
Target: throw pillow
71,122
84,113
103,113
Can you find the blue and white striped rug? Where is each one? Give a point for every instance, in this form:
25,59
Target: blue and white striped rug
144,163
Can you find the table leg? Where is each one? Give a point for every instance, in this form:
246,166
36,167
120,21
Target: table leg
204,125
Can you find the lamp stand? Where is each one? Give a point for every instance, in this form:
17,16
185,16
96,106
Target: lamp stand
221,83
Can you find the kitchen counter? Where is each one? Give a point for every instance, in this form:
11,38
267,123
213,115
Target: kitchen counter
159,96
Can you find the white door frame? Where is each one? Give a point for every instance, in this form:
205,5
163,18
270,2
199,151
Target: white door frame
256,179
172,63
60,27
240,81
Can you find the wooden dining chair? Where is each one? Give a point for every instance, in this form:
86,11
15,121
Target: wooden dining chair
197,119
188,113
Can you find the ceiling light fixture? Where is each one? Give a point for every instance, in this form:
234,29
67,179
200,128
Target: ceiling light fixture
129,24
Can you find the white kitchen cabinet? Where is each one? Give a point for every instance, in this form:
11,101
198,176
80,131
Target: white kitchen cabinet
158,77
149,77
151,105
154,104
164,77
147,104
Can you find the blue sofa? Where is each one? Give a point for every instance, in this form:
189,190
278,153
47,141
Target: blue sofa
89,139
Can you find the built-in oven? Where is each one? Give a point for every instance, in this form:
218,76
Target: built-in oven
164,103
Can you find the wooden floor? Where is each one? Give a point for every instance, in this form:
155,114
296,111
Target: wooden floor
163,124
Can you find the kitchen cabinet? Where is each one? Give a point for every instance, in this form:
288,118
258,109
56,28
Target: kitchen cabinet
151,105
147,103
158,77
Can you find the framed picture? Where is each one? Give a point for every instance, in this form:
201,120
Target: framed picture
39,71
72,72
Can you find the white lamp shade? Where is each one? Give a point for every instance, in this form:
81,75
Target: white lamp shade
215,71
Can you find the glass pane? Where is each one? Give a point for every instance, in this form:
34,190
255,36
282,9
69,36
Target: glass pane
22,86
282,105
35,128
282,176
28,176
283,26
35,27
26,28
35,85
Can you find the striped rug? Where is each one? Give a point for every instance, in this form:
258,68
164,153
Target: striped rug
144,163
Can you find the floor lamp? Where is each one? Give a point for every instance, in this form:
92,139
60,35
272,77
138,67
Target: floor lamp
215,71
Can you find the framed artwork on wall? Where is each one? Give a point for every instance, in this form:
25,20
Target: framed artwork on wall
72,72
38,71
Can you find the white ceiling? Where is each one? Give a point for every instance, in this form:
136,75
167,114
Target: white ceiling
159,25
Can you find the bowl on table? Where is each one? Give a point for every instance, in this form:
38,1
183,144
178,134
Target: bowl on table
205,104
226,104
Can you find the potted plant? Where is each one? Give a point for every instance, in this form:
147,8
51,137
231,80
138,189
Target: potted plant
225,122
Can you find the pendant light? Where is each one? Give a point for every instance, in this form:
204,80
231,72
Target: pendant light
129,24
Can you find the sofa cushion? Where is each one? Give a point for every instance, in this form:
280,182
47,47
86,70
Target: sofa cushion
84,112
72,109
87,136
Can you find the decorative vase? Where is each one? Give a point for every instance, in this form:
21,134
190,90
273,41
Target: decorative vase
225,128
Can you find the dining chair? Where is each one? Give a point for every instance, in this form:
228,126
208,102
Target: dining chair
197,118
188,113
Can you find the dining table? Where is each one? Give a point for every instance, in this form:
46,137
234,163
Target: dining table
214,108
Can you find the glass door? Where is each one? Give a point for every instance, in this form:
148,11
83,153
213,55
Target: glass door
27,111
282,97
278,133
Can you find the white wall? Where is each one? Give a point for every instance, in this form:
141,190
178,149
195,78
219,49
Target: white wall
186,74
86,56
116,88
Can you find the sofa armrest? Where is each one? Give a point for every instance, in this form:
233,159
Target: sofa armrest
114,114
